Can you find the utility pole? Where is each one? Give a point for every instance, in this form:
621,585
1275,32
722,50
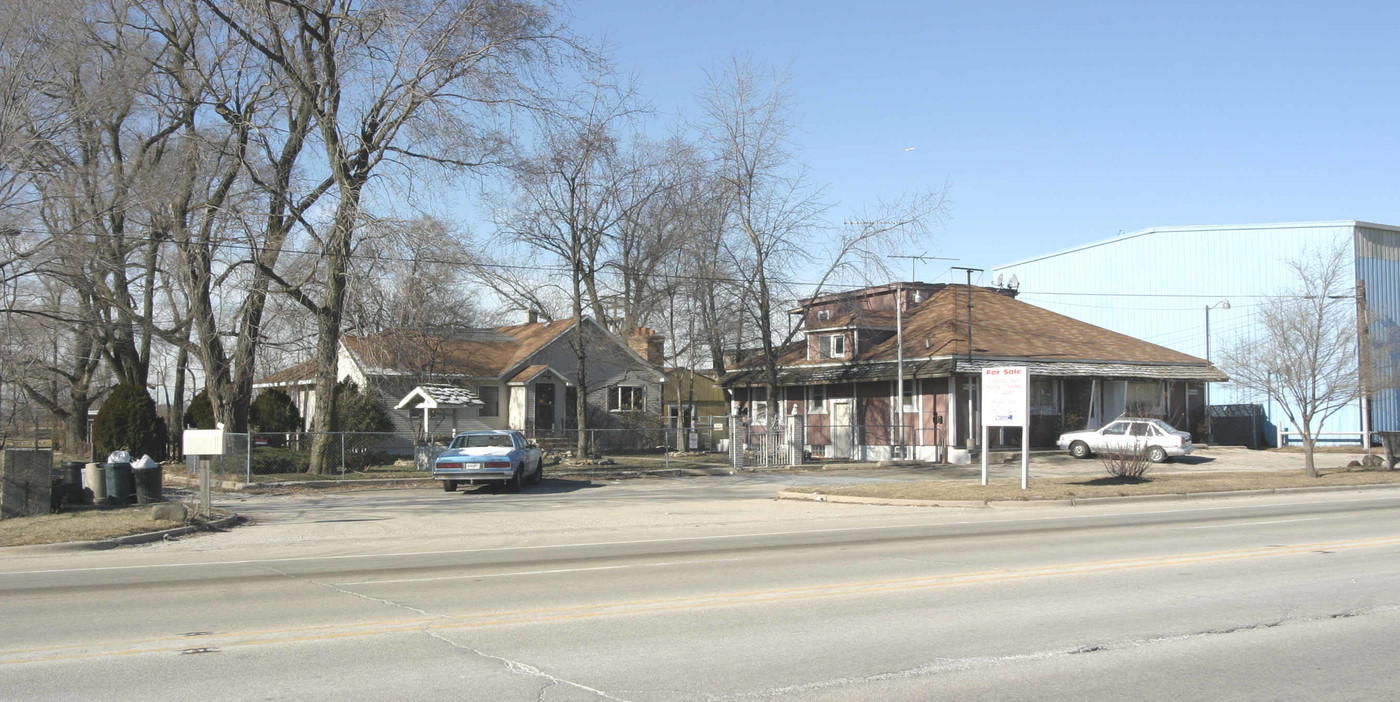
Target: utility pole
898,416
969,271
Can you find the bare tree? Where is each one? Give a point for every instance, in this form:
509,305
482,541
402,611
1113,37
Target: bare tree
406,277
1304,349
567,200
777,214
390,84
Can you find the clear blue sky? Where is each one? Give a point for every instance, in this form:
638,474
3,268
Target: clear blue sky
1057,123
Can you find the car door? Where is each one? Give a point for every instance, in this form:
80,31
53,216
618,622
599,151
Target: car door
1113,437
1141,435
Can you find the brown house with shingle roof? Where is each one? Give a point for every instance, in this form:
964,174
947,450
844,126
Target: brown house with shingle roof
524,375
842,376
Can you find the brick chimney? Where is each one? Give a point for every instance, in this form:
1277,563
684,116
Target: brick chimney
649,345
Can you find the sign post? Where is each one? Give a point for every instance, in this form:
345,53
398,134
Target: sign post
1006,401
204,443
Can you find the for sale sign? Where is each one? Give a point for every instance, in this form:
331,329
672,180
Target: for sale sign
1005,396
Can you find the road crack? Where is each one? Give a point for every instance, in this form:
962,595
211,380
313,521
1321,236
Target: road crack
352,593
952,665
520,668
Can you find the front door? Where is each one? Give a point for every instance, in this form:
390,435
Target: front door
544,407
841,429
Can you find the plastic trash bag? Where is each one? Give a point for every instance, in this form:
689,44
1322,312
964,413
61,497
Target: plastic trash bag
144,463
119,457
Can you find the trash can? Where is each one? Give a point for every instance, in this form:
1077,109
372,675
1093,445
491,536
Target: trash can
121,487
73,481
148,484
96,483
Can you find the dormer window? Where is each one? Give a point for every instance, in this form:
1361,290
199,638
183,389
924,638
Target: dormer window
834,345
823,315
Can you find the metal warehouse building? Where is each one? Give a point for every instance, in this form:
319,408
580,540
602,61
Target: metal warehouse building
1194,289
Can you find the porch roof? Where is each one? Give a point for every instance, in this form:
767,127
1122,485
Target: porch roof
946,366
438,397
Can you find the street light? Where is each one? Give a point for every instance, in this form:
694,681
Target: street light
1224,305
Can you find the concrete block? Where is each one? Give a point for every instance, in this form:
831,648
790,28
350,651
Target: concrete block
25,482
169,511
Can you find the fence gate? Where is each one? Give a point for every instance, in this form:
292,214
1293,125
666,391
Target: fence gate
1237,425
766,446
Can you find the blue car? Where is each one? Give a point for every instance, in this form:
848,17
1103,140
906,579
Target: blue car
496,457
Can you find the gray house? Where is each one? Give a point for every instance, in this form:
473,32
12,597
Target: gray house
522,376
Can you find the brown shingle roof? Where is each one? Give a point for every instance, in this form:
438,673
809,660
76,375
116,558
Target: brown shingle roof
1003,329
299,373
1003,326
476,354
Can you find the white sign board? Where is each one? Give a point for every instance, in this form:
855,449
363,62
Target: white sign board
204,442
1006,402
1005,396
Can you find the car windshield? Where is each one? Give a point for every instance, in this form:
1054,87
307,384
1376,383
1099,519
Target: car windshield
482,440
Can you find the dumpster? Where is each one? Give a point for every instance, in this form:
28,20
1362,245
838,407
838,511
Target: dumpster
121,487
147,475
96,483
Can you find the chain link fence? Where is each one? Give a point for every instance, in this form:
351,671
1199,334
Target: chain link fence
268,457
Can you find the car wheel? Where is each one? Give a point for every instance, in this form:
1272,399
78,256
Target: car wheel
1157,454
449,486
513,484
538,475
1079,449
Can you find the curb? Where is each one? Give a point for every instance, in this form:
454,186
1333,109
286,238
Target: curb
129,540
1076,501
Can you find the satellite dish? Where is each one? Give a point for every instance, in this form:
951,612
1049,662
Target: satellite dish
1014,282
999,278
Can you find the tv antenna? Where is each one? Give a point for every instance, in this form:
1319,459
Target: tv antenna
919,258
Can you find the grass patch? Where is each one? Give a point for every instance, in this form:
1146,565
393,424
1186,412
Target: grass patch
1067,488
86,525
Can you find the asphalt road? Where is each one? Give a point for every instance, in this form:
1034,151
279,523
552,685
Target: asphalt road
707,589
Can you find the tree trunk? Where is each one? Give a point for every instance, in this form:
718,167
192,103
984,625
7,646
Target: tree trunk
581,351
328,327
1309,467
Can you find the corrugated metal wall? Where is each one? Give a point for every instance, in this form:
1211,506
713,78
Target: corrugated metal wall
1378,268
1156,284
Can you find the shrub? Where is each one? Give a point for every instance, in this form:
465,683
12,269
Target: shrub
359,411
269,460
200,413
274,411
128,421
1128,465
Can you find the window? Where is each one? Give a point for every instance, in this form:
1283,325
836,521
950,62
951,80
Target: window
1045,398
490,396
1144,397
834,346
627,398
816,399
1116,429
823,315
908,404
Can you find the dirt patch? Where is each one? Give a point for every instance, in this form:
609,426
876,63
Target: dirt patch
87,525
1063,488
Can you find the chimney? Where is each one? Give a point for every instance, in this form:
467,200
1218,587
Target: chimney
649,345
532,317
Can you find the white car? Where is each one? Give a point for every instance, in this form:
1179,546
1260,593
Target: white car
1127,434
